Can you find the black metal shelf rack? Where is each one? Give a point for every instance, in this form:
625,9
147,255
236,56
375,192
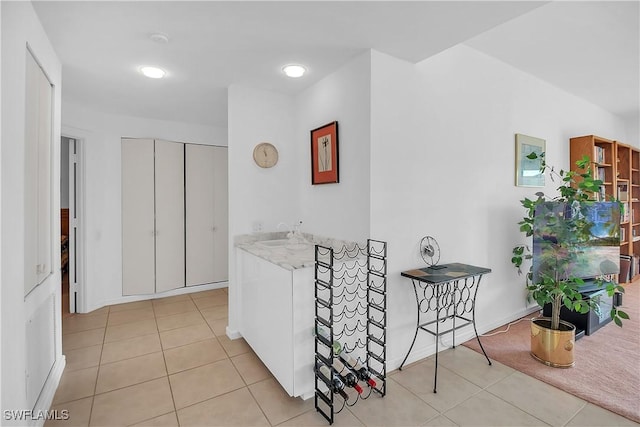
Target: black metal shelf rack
350,316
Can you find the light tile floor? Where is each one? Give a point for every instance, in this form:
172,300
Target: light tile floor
168,362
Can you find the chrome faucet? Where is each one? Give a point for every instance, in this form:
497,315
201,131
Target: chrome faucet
294,232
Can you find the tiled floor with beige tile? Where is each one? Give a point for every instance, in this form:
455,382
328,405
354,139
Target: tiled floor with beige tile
168,362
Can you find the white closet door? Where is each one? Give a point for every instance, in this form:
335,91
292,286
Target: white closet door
138,263
199,209
31,176
44,177
38,142
169,191
220,215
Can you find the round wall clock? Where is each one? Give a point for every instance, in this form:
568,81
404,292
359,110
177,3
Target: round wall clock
265,155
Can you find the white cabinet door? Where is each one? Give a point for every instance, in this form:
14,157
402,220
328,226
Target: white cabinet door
199,209
138,262
220,215
207,257
174,220
45,265
38,142
169,193
267,314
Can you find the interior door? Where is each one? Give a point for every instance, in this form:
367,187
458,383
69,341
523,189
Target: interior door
169,214
138,231
72,268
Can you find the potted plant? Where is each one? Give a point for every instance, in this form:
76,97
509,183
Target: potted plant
562,229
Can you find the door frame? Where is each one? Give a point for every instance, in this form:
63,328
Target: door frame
77,246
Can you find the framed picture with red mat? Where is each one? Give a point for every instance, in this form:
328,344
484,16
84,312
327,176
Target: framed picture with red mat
324,154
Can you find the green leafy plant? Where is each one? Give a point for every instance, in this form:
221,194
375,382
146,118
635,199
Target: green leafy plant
564,217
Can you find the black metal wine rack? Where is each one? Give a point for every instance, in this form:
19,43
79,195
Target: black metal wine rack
350,312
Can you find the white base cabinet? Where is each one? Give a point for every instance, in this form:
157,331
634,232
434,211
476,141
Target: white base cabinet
276,319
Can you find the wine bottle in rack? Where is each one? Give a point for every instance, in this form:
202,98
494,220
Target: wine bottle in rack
347,377
337,347
336,385
361,372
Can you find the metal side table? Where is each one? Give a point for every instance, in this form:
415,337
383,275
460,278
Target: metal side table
450,291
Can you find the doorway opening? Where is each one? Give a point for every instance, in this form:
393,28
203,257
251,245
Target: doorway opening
70,223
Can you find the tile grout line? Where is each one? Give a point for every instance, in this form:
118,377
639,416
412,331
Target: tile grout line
166,368
95,386
258,403
576,414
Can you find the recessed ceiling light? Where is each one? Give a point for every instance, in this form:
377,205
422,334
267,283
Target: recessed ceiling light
159,38
153,72
294,70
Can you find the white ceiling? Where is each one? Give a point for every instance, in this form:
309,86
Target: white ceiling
587,48
590,49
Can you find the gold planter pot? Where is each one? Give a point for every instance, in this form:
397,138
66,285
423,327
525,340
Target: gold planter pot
553,347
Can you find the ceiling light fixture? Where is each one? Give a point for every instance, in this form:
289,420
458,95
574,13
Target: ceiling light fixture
153,72
159,38
294,70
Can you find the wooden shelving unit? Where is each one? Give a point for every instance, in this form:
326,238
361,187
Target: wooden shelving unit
618,166
634,196
623,174
602,152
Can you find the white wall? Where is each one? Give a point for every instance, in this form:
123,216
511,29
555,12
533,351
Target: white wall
21,27
101,138
256,195
632,125
443,165
284,193
337,210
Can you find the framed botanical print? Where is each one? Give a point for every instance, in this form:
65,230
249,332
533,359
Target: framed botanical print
527,164
324,154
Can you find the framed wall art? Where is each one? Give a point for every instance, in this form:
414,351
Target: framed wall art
324,154
528,170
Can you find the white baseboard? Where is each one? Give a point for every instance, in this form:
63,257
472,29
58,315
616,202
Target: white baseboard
233,334
49,390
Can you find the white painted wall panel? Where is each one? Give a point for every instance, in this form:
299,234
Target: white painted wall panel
40,348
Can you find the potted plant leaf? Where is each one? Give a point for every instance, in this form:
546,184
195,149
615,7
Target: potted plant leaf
574,236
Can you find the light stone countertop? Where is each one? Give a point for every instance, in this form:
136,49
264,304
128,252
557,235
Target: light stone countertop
299,252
